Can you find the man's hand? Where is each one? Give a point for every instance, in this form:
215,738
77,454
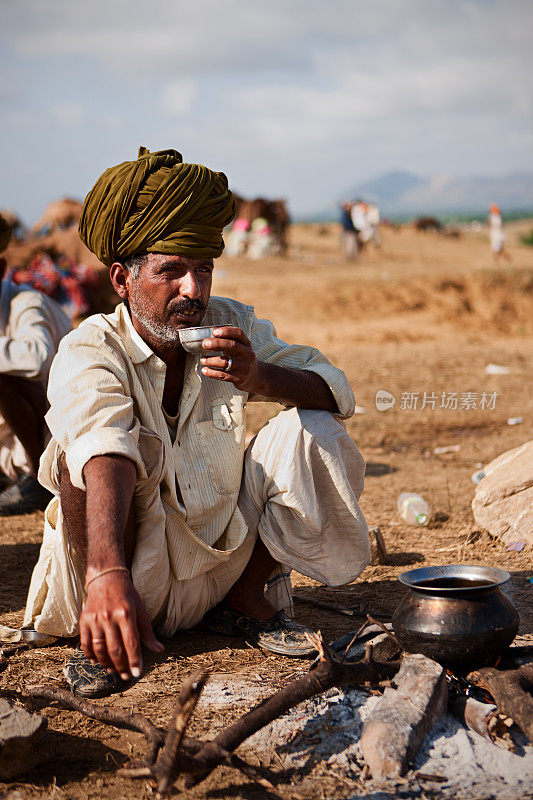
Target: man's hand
293,387
113,623
244,372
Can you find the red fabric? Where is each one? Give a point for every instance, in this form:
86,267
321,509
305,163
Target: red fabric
60,278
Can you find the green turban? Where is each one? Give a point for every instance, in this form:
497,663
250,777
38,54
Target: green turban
5,234
157,204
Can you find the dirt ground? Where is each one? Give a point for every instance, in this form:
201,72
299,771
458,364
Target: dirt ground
422,314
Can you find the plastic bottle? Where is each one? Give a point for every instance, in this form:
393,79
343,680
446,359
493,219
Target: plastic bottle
478,476
413,509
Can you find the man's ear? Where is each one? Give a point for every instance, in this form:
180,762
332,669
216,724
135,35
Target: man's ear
119,275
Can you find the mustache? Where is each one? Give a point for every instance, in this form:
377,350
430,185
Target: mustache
187,305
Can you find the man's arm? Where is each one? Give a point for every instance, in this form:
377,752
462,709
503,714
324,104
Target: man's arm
91,419
113,621
29,350
295,387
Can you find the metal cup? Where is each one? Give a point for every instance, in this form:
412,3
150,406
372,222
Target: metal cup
191,340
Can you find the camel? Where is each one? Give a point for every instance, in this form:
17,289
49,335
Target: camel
428,224
58,215
274,211
18,228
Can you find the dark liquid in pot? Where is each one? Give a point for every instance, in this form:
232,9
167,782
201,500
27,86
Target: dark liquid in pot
453,583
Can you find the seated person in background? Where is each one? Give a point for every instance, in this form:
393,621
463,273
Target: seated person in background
31,327
162,513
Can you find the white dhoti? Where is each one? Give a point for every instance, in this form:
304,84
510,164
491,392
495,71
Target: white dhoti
497,239
302,479
13,459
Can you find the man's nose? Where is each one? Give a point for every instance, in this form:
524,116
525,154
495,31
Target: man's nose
190,286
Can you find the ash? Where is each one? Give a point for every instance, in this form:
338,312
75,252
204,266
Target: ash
328,728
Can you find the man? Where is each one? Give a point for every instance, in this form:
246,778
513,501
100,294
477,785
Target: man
361,223
496,233
163,515
31,327
349,234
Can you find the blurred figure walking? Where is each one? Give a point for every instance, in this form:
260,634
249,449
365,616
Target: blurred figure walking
361,222
349,233
373,219
497,234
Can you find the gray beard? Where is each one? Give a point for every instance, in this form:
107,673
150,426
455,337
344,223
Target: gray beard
165,334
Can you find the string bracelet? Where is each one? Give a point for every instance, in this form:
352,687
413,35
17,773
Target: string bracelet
106,572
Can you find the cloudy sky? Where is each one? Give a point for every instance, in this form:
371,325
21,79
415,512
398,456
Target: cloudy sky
296,98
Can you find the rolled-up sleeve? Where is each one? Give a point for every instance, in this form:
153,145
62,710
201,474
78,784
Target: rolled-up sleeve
268,348
91,411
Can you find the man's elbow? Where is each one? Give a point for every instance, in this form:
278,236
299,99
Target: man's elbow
37,363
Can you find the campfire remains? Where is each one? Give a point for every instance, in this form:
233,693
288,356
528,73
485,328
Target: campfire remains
415,691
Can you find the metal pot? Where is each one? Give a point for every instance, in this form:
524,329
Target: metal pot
36,638
456,615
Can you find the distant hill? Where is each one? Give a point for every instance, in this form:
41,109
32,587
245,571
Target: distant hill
403,194
389,189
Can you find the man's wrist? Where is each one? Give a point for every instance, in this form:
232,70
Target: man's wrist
261,386
97,567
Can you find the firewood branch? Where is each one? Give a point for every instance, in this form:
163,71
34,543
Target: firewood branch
484,719
118,717
195,760
510,690
167,767
325,673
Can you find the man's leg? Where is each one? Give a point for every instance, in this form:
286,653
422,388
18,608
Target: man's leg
302,480
505,255
350,245
23,406
247,595
246,610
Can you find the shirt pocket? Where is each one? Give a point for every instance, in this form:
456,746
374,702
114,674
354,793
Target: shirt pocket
222,441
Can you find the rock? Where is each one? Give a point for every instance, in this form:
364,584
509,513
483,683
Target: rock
503,502
21,740
395,728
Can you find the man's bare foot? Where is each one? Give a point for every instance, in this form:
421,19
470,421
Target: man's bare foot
250,603
279,634
24,496
247,595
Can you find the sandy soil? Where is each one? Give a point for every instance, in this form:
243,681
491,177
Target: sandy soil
422,314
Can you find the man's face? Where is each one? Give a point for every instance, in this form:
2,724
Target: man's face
170,292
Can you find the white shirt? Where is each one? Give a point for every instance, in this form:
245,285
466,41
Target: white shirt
105,390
